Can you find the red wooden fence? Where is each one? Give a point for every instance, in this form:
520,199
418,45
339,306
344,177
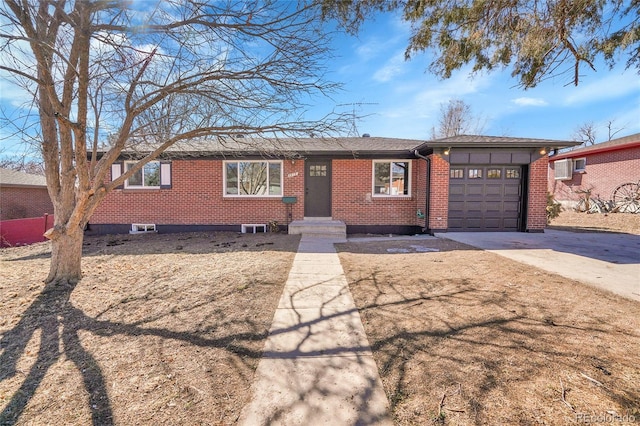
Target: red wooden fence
18,232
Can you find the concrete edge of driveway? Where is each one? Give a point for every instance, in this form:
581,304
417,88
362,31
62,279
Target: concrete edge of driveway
609,262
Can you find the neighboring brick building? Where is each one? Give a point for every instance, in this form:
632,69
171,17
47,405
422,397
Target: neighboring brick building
600,168
23,195
379,185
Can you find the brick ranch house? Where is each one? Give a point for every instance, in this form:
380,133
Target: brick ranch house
370,184
600,168
23,195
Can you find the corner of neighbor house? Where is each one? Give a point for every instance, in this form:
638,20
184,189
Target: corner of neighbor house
598,169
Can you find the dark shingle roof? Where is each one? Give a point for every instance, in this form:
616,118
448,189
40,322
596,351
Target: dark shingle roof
13,178
339,147
346,147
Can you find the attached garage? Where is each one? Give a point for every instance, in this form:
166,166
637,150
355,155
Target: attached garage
487,183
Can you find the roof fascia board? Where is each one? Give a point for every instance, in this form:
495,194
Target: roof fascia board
584,153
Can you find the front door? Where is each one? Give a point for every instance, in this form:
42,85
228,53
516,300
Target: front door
317,188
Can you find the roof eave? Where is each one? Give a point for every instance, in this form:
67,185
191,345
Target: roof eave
585,152
489,145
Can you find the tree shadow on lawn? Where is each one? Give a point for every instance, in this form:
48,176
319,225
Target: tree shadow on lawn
184,243
490,352
60,324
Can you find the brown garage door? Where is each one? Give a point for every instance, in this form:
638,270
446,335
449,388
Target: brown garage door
485,198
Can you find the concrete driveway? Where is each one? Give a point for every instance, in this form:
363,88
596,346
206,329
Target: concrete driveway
605,260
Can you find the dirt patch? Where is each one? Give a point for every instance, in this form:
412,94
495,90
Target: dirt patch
465,337
628,223
162,329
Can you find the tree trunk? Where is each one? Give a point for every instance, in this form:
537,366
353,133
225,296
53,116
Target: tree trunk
66,255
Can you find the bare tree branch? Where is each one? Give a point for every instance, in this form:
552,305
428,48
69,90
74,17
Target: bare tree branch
110,75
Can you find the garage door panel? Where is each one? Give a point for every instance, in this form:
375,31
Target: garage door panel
493,189
456,206
456,190
510,206
511,223
493,223
456,222
512,190
494,210
482,203
474,223
475,189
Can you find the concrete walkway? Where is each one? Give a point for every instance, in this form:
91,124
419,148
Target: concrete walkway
317,367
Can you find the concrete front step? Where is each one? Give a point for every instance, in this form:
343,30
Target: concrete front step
325,228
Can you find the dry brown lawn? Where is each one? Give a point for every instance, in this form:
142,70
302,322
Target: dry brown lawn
162,329
466,337
168,329
627,223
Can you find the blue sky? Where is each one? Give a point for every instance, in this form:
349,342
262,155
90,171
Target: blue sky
407,98
398,98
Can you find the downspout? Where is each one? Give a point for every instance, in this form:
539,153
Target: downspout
426,207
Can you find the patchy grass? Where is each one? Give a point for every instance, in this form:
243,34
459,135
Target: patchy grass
465,337
162,329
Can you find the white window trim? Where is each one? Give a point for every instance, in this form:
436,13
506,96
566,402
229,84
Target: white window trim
373,179
143,228
224,179
575,167
143,186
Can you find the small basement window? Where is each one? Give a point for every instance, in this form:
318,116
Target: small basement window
253,228
579,165
142,228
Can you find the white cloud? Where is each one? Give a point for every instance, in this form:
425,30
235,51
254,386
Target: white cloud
526,101
391,69
612,86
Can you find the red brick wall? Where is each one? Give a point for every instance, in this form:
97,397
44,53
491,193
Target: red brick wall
603,173
196,198
353,202
439,193
537,201
18,203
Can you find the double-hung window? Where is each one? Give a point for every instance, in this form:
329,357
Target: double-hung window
391,178
147,177
253,178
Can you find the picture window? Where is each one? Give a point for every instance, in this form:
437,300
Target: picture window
391,178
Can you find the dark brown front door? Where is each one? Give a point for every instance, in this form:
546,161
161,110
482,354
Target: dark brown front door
317,188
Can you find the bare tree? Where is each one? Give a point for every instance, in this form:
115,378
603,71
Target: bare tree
586,133
22,164
456,118
611,131
129,74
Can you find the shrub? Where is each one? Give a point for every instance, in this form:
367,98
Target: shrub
553,208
